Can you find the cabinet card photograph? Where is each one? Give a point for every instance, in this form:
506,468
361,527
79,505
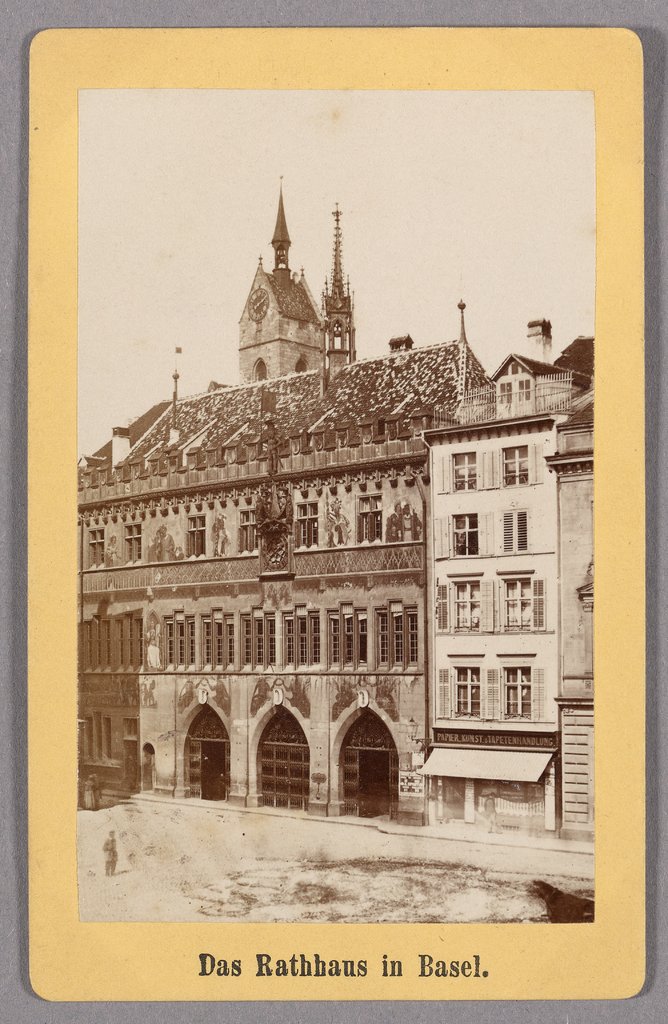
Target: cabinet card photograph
328,445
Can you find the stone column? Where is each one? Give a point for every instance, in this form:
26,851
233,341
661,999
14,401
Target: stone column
320,768
550,798
241,691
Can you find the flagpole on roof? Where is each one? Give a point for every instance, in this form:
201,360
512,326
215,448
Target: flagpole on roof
175,378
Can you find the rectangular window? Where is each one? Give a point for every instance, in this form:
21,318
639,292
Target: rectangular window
348,635
288,639
467,695
196,535
128,643
412,628
229,639
302,637
370,518
506,392
362,638
88,645
334,628
180,630
517,692
247,534
96,547
169,641
270,637
382,633
467,607
523,390
138,642
515,531
88,739
258,639
441,607
314,637
119,653
466,535
133,542
207,641
515,466
105,643
397,619
214,640
465,471
246,640
518,605
307,524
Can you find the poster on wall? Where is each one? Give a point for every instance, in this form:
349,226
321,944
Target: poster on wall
329,618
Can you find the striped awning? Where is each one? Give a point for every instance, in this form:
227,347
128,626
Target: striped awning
506,765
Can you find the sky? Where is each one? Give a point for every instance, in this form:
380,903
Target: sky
483,196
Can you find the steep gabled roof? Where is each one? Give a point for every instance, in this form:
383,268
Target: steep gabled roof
578,356
294,300
370,389
137,429
539,368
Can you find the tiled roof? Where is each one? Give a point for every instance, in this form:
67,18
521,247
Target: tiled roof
137,429
294,301
582,410
404,383
539,368
578,356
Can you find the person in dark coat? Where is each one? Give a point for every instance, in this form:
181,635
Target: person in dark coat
110,854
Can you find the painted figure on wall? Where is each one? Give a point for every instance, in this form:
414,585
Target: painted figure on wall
338,524
219,535
148,694
163,548
153,654
403,524
111,552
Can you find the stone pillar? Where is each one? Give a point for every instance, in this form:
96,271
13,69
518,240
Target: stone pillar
550,798
241,690
469,801
438,781
320,782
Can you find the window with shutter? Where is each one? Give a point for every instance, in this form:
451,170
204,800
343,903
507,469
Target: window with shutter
444,693
522,537
492,695
442,607
508,531
539,604
538,695
441,538
487,605
515,531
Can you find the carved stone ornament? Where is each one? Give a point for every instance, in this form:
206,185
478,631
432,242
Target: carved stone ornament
273,516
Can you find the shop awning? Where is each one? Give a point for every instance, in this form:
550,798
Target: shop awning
507,765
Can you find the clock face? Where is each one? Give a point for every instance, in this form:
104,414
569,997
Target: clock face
258,305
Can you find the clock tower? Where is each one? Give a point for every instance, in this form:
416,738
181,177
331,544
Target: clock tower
281,329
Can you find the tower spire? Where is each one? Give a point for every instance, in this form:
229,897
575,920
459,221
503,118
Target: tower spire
281,239
337,258
463,344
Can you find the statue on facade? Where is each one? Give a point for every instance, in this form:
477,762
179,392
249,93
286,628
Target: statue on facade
273,517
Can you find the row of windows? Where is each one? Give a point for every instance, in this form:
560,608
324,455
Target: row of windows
306,532
114,643
484,606
472,533
515,466
346,643
518,693
97,735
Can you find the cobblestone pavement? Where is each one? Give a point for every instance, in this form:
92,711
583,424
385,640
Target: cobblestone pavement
189,862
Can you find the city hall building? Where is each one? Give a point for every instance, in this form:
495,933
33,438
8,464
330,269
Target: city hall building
255,607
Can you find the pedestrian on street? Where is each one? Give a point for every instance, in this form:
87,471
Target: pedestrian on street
110,854
90,795
490,811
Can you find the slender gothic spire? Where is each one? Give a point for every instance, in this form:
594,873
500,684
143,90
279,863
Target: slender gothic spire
461,379
337,257
281,239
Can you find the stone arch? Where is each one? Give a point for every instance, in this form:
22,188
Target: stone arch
283,761
366,780
260,370
207,755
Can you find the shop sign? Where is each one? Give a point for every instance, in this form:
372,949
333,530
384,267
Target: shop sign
411,784
513,740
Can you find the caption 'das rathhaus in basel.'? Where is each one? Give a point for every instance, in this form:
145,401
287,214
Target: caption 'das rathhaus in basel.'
257,573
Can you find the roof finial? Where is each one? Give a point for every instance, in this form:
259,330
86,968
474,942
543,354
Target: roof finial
463,345
281,239
337,257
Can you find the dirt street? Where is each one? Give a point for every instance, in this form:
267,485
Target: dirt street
188,863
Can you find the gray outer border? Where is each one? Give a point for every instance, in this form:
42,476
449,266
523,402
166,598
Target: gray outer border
649,18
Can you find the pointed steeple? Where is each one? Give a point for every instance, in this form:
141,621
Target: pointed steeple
463,344
337,257
338,308
281,239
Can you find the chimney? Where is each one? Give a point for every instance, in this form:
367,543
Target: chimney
539,333
405,343
120,444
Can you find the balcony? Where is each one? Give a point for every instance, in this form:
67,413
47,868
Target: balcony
551,393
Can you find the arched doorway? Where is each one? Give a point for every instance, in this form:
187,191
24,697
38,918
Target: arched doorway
370,769
283,762
148,767
208,756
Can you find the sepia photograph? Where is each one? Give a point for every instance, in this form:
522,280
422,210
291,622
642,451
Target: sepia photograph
335,506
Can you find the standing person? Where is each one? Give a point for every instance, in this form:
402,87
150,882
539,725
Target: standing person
89,794
110,854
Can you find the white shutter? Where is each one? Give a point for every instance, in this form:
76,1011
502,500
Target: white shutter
487,606
445,473
500,606
497,467
492,694
444,693
487,475
538,608
538,694
440,533
535,464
